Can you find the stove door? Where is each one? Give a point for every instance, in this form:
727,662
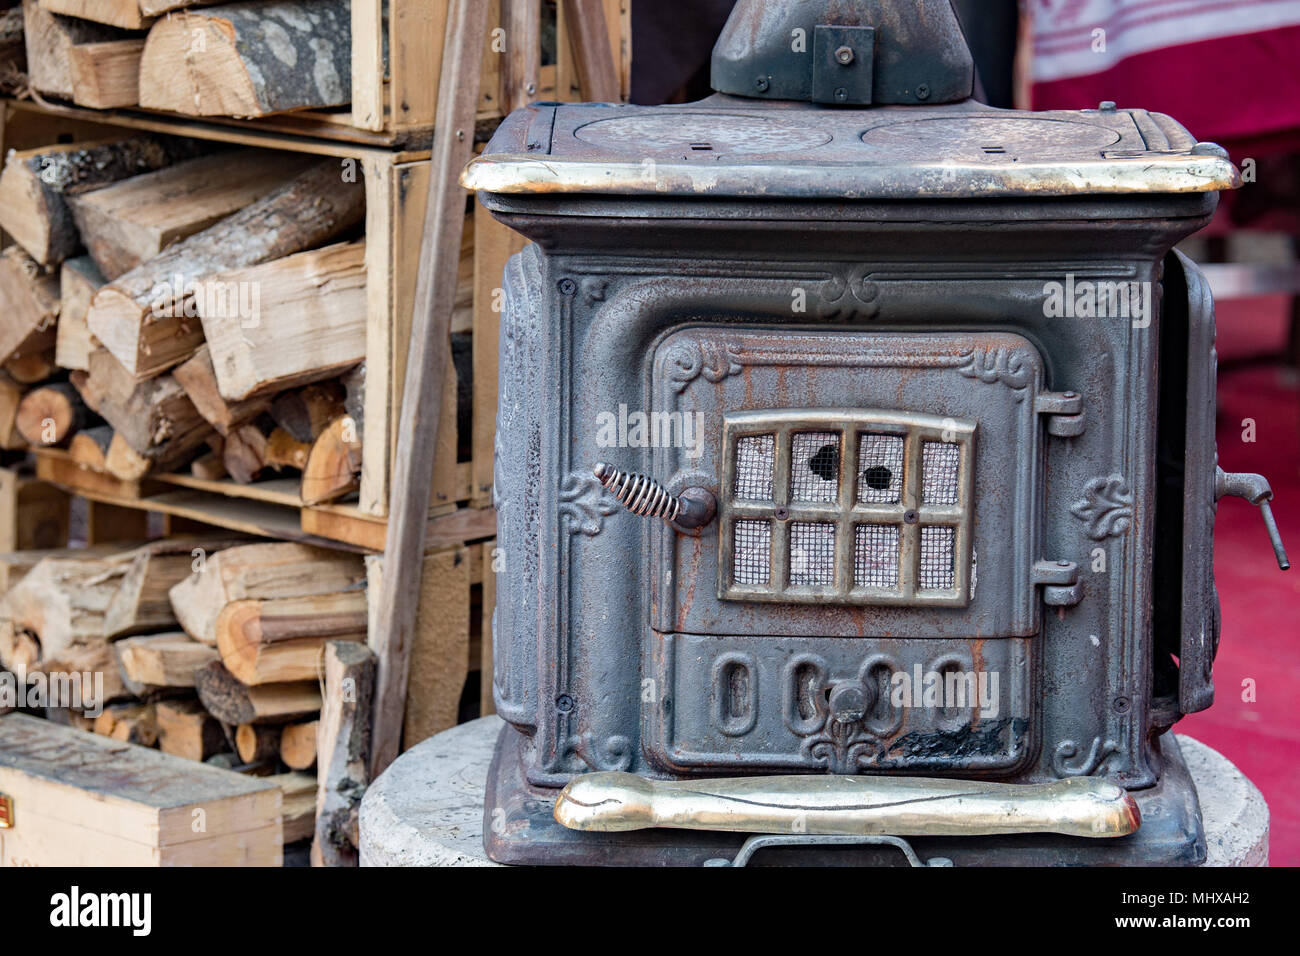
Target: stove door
866,598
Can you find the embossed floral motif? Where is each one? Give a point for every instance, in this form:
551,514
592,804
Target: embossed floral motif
838,746
993,366
1106,507
849,295
689,360
584,504
594,289
1067,750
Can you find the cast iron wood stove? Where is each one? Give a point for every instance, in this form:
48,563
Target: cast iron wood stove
855,464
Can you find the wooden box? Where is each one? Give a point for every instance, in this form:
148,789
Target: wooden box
76,799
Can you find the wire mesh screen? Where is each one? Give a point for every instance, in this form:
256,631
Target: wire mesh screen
880,468
940,462
938,559
812,553
754,459
752,558
875,556
815,466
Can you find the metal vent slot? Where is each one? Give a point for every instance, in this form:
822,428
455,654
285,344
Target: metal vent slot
755,456
880,469
812,554
940,462
875,556
753,553
938,559
815,466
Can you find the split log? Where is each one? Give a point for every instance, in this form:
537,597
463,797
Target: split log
154,8
156,663
210,466
297,805
106,75
186,730
306,412
31,368
11,393
257,742
127,223
298,746
249,59
311,322
116,13
343,752
124,463
132,722
52,414
142,602
15,564
280,639
259,571
29,304
49,38
35,182
57,613
231,702
199,380
79,280
89,447
155,418
145,317
252,448
333,467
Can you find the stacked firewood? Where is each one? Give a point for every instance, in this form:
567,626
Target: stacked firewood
241,59
166,307
209,648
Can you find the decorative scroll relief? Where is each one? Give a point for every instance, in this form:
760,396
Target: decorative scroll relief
691,359
584,504
1067,750
1106,507
849,295
1000,366
611,753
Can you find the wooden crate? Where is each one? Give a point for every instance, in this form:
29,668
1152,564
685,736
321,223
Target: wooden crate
83,800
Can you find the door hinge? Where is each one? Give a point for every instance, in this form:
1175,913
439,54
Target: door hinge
1063,412
1059,581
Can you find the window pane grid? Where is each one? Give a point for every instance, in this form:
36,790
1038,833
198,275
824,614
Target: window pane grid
864,508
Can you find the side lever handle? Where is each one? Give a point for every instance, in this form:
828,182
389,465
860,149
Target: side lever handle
1256,490
641,495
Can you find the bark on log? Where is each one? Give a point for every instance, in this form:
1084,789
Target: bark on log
306,412
146,317
35,182
250,59
129,222
257,742
233,703
90,446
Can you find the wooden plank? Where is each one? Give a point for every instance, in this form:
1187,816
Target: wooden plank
414,61
368,64
440,653
521,65
430,347
33,513
593,58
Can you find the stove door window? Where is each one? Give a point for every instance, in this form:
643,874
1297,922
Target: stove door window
853,506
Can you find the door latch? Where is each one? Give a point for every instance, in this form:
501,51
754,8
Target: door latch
1256,490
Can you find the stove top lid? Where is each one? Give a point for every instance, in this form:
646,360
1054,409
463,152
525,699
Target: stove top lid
729,147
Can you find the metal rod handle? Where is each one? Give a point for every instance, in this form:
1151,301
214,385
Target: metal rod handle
642,495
